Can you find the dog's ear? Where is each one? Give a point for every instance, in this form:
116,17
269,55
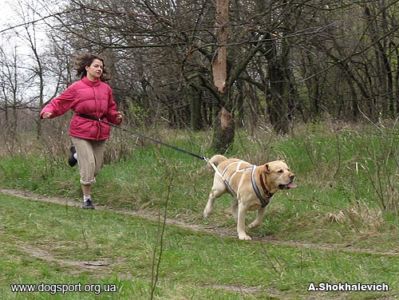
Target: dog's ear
267,168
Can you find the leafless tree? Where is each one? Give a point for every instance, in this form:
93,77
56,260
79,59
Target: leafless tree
14,82
276,61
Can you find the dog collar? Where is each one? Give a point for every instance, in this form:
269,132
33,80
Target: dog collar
264,200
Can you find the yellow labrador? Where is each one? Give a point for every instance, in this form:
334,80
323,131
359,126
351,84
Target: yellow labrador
251,186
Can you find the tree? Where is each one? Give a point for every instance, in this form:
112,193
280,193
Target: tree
192,63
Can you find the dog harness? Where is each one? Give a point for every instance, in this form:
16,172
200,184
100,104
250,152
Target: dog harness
264,199
227,182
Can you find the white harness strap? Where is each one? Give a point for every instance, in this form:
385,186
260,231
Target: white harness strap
213,166
226,182
264,201
227,167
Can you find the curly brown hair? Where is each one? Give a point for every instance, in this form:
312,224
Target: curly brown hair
85,60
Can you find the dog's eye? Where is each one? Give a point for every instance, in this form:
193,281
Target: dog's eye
280,171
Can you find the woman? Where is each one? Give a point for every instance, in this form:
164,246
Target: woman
91,100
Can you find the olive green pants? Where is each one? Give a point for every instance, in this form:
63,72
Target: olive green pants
90,158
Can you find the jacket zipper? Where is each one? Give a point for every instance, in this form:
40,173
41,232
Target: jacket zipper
97,115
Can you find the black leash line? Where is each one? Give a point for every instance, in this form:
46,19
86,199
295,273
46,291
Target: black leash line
166,145
143,136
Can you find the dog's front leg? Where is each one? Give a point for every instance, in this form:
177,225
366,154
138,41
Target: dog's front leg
242,235
259,218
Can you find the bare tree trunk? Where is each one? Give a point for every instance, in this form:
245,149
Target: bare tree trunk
14,88
278,59
384,88
277,108
239,103
223,131
223,136
40,74
195,101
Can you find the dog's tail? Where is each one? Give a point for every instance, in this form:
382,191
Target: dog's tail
216,159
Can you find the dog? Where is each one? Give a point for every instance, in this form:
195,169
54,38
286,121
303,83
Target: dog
251,186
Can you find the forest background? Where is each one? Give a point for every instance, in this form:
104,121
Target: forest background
313,82
183,63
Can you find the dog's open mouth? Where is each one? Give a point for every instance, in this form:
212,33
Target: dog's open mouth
288,186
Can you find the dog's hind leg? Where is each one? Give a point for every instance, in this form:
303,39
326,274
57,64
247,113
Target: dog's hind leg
218,189
259,218
234,209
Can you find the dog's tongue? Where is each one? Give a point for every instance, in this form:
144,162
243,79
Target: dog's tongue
291,185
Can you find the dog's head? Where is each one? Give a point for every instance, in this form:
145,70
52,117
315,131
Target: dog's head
279,175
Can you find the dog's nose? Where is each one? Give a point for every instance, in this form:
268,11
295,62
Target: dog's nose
292,177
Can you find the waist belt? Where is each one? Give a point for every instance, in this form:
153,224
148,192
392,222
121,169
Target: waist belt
90,117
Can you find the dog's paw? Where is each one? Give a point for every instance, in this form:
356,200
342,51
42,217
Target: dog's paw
244,237
253,225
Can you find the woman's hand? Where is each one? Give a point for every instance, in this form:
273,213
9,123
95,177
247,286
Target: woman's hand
47,115
119,117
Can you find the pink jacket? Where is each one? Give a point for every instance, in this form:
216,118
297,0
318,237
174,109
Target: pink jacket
88,98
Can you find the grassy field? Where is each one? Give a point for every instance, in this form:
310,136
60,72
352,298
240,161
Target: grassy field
340,225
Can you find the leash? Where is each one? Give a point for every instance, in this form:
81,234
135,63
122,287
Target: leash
264,200
163,144
143,136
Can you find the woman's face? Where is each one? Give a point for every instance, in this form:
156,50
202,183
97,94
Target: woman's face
95,70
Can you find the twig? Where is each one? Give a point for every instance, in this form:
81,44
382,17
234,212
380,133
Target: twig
156,264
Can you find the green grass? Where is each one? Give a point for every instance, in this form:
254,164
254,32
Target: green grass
336,171
191,263
347,197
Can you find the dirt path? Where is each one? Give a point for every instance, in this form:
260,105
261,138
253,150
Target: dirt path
49,257
201,228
